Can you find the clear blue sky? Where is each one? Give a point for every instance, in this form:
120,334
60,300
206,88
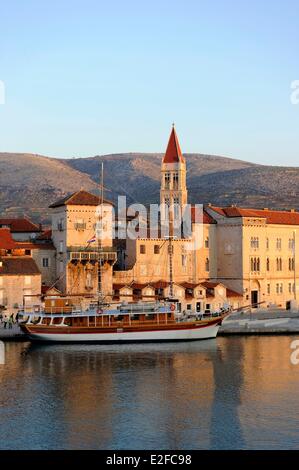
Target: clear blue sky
96,77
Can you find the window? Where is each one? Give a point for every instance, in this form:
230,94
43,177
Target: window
156,249
80,224
175,181
291,264
290,287
268,289
27,252
176,208
277,288
254,242
207,264
291,244
281,288
267,244
60,246
167,180
255,264
142,249
207,242
278,264
184,260
189,307
268,264
143,269
278,243
45,262
27,280
88,280
61,267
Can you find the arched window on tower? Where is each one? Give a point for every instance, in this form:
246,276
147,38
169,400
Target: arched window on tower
175,181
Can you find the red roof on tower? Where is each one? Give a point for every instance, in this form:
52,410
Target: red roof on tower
173,152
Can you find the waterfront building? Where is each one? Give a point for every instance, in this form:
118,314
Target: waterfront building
256,253
20,278
78,256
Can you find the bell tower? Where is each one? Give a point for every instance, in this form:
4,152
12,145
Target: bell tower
173,193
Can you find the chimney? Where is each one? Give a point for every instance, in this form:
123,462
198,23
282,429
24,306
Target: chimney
293,210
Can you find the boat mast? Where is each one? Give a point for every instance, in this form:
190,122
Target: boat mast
99,238
170,253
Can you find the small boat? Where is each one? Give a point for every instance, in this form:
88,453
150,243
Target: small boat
136,322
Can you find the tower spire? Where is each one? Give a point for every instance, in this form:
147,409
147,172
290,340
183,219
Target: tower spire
173,152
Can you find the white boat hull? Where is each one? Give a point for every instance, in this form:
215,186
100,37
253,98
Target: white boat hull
192,334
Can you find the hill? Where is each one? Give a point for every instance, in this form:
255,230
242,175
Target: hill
29,182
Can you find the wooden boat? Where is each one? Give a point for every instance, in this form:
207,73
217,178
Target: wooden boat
142,322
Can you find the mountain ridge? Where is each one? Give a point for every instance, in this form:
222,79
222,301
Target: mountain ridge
31,182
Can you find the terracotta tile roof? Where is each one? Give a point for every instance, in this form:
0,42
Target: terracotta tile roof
120,286
209,285
188,285
173,152
271,216
232,293
6,240
18,266
34,246
159,284
80,198
197,215
19,225
46,235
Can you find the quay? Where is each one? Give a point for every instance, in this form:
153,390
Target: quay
258,322
261,322
11,334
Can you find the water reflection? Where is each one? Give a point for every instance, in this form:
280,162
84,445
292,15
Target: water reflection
226,430
208,394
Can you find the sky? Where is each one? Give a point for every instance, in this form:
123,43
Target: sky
83,78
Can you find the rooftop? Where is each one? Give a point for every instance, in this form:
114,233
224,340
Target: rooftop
173,152
271,216
80,198
18,266
19,225
6,240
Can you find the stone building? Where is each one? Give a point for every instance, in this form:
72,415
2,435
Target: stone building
256,253
78,255
20,278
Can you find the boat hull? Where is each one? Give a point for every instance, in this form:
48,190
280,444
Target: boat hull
92,335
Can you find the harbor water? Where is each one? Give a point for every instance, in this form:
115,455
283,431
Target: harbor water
229,393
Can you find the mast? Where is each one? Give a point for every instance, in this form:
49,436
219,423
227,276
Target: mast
294,246
170,253
99,238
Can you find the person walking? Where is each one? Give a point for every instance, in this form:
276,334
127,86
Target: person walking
10,321
5,322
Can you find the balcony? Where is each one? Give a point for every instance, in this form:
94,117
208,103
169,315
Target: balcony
83,255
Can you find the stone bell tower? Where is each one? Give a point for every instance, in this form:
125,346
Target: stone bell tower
173,193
